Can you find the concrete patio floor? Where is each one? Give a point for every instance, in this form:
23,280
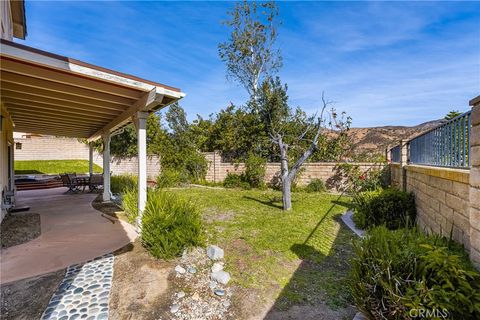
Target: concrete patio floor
72,231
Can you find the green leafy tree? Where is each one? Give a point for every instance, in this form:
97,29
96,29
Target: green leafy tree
249,52
452,114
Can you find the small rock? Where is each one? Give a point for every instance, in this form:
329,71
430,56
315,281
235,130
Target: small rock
221,276
195,296
192,270
226,303
220,292
217,266
174,308
212,285
180,294
214,252
180,269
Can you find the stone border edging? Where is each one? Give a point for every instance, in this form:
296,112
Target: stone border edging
347,218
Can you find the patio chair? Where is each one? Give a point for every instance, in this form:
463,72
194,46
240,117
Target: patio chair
69,181
95,181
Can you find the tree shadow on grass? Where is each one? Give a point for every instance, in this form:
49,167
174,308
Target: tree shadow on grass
270,202
318,288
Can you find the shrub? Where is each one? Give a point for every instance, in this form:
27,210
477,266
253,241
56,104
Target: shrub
171,178
390,207
396,272
351,178
316,185
121,183
233,180
170,224
255,168
130,204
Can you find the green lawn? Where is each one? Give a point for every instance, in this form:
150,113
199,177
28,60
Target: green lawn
300,255
53,166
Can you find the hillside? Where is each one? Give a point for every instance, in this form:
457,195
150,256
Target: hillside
374,140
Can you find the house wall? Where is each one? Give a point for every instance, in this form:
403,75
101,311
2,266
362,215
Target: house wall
6,138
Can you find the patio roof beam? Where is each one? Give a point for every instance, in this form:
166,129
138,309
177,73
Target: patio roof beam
28,82
53,124
57,102
46,73
81,110
51,131
15,90
68,113
66,120
148,101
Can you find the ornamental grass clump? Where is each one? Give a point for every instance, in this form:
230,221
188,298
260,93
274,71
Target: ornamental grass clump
120,184
390,207
403,273
130,203
170,224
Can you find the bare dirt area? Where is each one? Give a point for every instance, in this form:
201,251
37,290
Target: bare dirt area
19,228
140,287
27,299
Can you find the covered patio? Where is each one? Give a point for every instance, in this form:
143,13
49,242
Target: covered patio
72,232
45,93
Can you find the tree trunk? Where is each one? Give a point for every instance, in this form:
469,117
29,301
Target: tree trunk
286,178
286,193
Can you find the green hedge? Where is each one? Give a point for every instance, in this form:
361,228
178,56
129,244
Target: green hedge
390,207
396,274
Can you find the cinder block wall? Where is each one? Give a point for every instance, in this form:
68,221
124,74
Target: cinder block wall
447,200
326,171
129,165
475,183
50,148
442,200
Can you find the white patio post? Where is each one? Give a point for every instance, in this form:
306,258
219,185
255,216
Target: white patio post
106,167
140,120
90,158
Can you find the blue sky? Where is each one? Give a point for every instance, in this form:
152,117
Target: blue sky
384,63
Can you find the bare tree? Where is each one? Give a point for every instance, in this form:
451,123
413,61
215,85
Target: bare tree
326,124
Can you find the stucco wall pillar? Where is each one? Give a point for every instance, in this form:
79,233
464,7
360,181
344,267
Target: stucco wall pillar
475,182
106,167
140,121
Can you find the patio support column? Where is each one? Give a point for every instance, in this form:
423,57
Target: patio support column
90,158
140,120
106,167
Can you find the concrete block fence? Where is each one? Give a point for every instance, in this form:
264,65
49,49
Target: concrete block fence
447,199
